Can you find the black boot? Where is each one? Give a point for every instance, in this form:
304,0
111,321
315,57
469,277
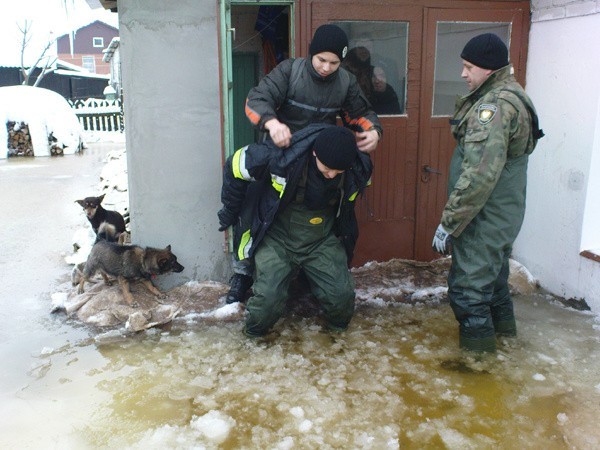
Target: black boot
239,286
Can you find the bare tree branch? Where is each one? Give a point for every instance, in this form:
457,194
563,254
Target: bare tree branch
24,43
46,70
27,73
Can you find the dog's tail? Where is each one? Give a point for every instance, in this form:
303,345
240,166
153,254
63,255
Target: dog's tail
107,232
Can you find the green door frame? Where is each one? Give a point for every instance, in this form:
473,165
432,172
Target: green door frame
227,35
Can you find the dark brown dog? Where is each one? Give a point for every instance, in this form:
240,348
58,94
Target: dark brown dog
97,216
128,263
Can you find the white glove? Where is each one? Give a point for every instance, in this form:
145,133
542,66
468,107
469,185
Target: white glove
441,241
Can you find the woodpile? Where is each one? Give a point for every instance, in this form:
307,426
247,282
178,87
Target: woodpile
20,143
19,139
55,149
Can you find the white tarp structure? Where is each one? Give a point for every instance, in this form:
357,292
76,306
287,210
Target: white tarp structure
45,112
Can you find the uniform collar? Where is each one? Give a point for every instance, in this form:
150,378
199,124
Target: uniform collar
498,76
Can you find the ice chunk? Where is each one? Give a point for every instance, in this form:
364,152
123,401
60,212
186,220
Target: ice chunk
214,425
539,377
305,426
297,412
287,443
58,300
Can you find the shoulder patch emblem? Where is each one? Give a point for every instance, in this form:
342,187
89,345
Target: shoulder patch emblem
485,113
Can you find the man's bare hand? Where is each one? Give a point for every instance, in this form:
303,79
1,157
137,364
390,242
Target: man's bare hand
279,132
367,140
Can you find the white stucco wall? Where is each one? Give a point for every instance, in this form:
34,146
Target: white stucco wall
562,80
173,131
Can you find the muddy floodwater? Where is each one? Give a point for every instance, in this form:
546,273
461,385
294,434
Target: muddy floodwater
395,379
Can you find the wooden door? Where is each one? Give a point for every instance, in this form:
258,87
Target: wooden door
386,212
401,210
445,34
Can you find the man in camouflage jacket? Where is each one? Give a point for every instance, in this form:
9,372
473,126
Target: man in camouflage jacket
496,129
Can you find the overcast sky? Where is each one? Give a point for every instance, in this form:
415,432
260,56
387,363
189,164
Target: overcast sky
45,16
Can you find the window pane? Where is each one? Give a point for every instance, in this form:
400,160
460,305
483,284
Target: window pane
89,63
377,55
451,39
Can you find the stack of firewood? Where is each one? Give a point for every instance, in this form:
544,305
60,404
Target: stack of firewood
55,149
19,139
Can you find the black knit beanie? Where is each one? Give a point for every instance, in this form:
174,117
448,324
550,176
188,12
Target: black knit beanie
329,38
336,148
486,51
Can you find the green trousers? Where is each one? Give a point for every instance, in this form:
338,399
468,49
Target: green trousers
300,238
478,279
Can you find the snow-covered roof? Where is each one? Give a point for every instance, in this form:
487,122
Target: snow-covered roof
111,49
82,74
60,63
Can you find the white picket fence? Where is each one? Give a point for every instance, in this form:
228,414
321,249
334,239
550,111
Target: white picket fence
99,115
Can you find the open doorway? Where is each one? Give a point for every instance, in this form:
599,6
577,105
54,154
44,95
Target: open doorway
261,41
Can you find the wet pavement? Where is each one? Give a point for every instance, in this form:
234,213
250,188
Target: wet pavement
395,379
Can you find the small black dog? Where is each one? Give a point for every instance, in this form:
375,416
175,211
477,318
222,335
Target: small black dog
96,214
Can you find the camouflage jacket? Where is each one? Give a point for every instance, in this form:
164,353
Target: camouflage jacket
491,125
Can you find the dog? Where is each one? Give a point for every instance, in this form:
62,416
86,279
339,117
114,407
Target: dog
97,216
128,263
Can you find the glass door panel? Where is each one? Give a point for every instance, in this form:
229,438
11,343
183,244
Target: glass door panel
378,56
451,38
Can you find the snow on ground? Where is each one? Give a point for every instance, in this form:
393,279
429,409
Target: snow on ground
45,112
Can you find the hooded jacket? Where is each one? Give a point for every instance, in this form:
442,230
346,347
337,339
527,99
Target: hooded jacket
261,179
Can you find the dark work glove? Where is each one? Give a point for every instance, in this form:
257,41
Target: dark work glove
226,218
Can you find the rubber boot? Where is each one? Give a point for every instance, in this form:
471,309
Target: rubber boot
479,345
506,327
239,286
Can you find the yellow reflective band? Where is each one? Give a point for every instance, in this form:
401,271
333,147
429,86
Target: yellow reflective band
278,184
245,244
235,164
278,187
353,196
238,165
316,220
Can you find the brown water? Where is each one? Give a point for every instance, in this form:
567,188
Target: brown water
396,379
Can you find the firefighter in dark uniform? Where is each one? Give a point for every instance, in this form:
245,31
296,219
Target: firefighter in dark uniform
303,218
496,129
302,91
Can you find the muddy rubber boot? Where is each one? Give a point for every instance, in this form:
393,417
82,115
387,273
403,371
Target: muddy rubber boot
239,286
479,345
506,328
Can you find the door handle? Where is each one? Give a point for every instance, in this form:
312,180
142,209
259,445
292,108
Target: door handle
232,31
428,169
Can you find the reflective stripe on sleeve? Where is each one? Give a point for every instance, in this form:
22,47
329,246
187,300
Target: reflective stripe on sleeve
238,165
245,244
278,184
